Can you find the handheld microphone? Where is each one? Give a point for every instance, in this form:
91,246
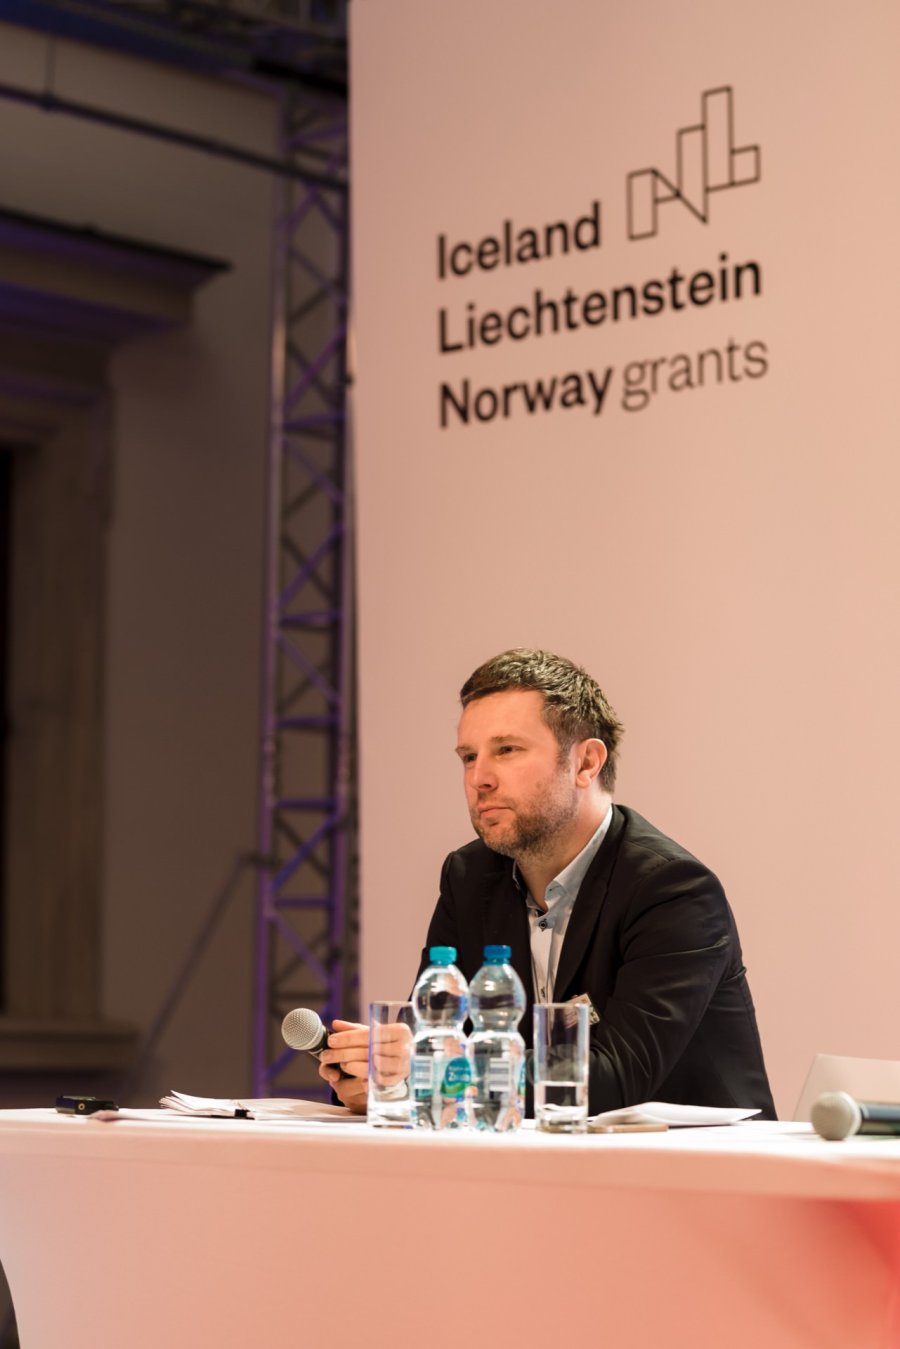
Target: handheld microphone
836,1115
305,1030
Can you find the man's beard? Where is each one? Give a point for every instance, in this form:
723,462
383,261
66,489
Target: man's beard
534,832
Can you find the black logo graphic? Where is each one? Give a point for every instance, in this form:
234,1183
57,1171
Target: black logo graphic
707,161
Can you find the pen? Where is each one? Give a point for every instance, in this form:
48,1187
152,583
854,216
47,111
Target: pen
627,1128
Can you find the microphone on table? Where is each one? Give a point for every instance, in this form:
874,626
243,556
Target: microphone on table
305,1030
837,1115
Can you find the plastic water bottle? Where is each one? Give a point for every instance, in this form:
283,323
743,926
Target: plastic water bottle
496,1049
441,1073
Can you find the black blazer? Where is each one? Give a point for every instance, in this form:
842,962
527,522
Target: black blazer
652,941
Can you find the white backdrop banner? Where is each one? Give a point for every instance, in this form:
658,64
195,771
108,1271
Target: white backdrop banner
625,297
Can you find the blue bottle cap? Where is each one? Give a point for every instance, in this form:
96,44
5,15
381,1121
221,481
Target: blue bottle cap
442,955
497,955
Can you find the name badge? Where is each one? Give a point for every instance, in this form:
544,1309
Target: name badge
593,1014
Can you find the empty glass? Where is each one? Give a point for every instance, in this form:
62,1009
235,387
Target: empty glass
390,1056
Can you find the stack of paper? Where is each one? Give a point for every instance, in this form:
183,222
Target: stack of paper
675,1116
274,1107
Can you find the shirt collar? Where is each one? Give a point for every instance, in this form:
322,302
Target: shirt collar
564,887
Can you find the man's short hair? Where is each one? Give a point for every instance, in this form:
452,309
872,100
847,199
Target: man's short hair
574,704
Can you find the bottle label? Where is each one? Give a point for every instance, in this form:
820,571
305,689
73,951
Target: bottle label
499,1077
457,1077
423,1075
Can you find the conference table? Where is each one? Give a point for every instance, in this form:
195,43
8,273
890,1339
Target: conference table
159,1230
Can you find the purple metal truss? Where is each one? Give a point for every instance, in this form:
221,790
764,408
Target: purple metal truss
306,920
306,916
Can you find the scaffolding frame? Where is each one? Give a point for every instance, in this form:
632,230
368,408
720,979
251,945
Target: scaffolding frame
306,910
306,917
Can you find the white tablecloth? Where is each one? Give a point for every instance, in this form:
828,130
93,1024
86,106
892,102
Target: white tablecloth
208,1233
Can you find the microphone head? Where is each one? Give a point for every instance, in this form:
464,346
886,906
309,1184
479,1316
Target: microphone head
835,1115
304,1029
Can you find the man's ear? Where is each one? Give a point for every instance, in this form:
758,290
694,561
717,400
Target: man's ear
590,756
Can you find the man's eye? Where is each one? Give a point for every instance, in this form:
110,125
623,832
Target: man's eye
508,749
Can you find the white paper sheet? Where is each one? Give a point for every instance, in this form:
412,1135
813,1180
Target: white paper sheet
674,1115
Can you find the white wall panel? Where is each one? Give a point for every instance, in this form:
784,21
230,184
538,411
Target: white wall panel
722,554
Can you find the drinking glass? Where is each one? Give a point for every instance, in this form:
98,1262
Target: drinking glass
390,1056
561,1067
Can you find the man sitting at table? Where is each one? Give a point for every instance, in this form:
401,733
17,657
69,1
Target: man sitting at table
593,900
